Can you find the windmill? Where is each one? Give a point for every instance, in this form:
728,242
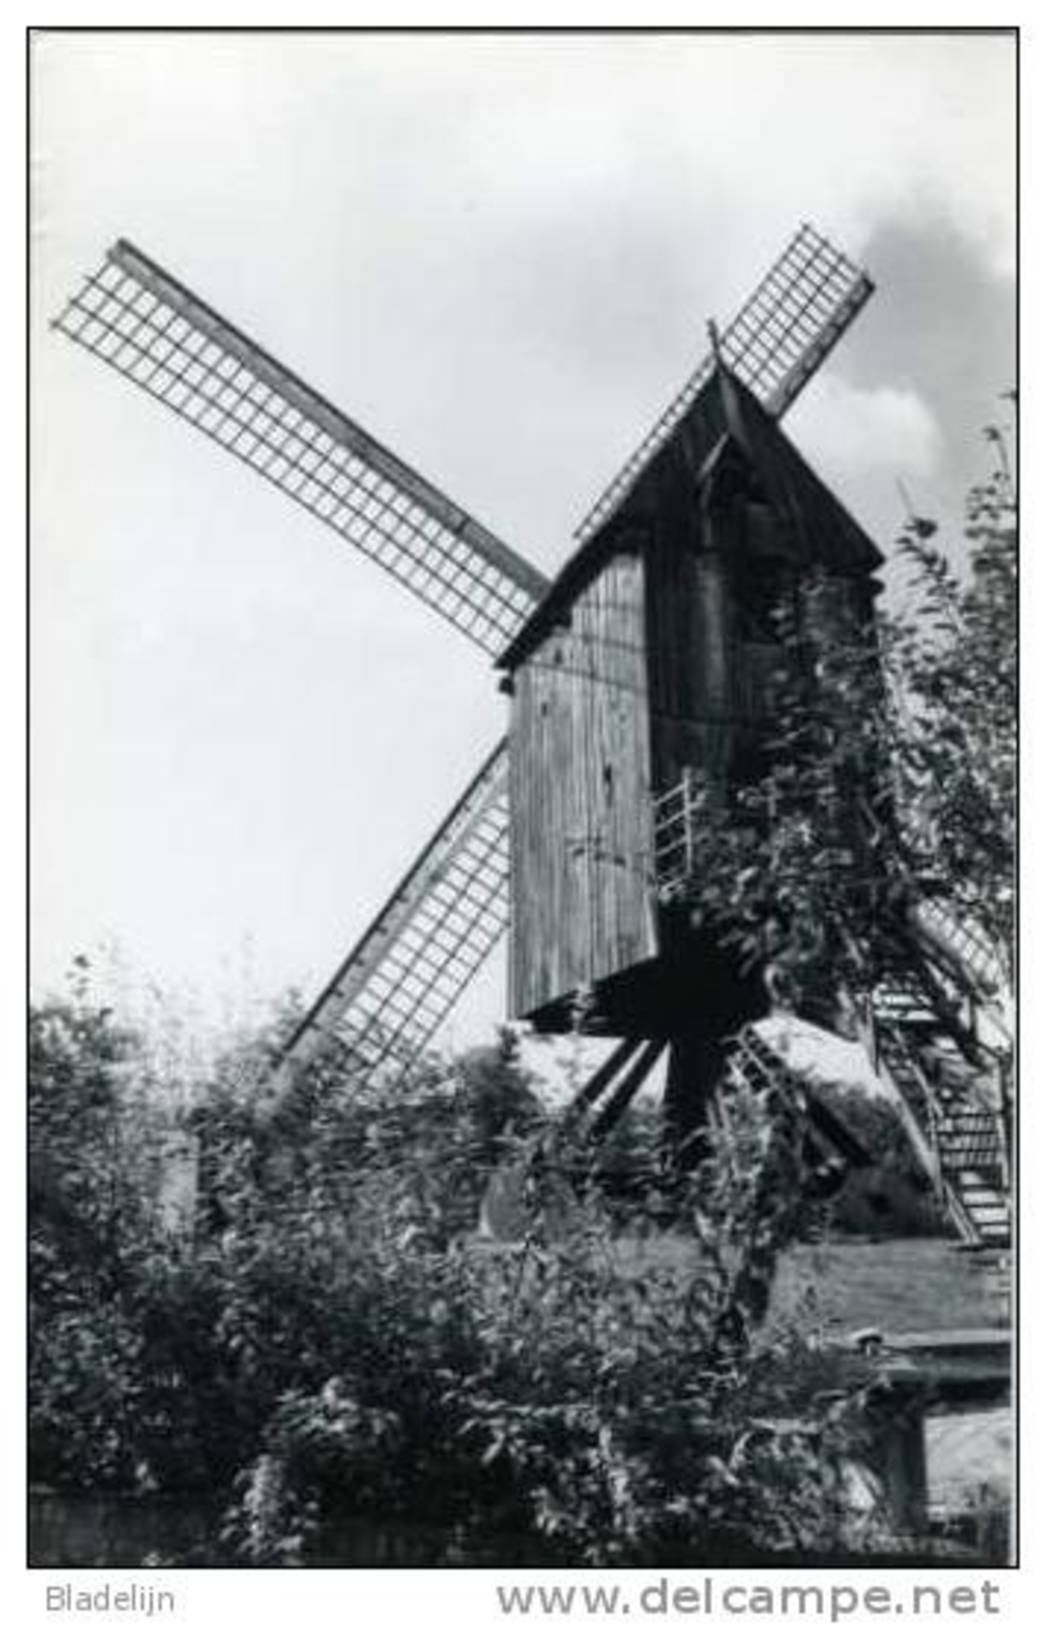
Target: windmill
561,818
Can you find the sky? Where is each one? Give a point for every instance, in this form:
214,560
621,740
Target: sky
499,254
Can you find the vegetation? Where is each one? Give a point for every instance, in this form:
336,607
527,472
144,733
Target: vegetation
335,1343
890,777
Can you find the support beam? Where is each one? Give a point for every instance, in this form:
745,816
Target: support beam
602,1078
695,1070
627,1089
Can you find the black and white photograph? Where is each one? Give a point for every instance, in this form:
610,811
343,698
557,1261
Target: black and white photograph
523,797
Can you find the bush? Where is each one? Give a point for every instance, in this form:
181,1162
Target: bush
569,1397
336,1343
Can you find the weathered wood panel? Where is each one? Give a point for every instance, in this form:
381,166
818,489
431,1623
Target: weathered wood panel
693,662
580,792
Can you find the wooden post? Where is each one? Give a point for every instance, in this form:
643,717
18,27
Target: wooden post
695,1068
903,1461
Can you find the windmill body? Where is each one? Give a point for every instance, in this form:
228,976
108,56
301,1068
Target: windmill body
651,656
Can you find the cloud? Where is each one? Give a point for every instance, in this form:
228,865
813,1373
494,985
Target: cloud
942,327
857,429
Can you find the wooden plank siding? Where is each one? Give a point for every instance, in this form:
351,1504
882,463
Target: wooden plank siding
580,791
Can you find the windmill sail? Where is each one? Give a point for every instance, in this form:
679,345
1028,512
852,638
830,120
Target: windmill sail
774,344
139,320
409,968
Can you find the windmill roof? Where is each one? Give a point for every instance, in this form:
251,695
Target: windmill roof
724,419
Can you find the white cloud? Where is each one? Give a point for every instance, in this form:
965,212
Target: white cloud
856,430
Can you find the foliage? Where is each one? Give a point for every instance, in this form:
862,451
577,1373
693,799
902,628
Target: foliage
889,773
957,662
336,1343
564,1398
92,1199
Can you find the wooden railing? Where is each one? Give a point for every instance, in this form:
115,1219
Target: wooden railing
676,814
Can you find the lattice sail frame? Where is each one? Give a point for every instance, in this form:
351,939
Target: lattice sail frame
774,344
402,978
139,320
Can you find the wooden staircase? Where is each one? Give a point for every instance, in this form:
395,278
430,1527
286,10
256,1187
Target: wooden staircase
926,1043
947,1107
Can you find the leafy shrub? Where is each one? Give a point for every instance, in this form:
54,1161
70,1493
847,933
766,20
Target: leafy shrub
336,1343
569,1397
